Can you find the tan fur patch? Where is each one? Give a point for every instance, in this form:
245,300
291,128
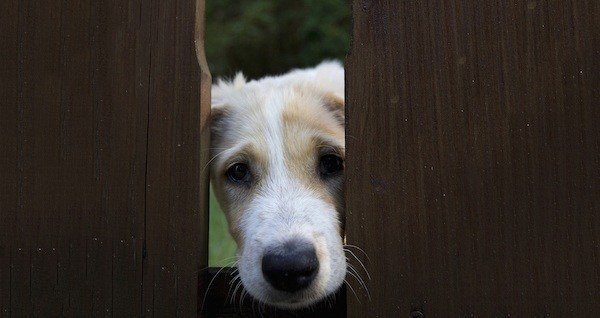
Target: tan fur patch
308,126
311,121
281,127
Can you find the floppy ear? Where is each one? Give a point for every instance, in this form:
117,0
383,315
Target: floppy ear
219,110
335,105
218,122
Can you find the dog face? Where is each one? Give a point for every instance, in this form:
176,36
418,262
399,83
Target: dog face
277,169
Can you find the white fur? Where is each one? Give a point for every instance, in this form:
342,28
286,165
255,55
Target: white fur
327,76
280,206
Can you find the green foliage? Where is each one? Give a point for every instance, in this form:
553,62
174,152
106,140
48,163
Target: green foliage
263,37
222,247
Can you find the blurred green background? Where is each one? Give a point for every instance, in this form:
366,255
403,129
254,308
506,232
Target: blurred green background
261,37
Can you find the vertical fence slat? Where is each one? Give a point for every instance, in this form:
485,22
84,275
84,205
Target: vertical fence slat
86,84
77,182
205,105
115,228
41,144
473,152
9,94
176,220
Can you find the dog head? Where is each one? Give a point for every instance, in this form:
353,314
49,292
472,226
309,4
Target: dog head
277,161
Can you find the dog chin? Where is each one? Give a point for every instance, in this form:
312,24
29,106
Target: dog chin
293,301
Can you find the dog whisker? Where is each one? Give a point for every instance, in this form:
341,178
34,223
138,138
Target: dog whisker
352,289
228,261
360,262
237,286
360,249
353,269
231,283
210,284
356,276
235,268
261,309
332,300
242,297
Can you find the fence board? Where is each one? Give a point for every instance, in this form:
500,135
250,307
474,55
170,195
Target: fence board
473,150
177,225
84,147
76,132
9,29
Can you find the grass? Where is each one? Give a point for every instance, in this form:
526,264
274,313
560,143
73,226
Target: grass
221,246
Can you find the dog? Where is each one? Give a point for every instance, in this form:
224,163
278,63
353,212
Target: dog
277,169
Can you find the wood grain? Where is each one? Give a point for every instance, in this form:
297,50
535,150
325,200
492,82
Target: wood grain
176,186
473,151
102,141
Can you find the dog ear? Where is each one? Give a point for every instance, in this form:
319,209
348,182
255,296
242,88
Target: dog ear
218,123
224,87
335,105
219,109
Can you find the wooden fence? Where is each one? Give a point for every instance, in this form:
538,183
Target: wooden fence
473,169
473,145
102,151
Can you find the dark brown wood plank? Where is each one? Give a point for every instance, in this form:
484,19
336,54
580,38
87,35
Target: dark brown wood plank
18,243
9,95
75,134
176,214
41,101
473,154
79,193
119,81
36,160
132,71
76,128
205,105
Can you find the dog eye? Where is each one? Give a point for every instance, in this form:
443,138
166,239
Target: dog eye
330,165
239,173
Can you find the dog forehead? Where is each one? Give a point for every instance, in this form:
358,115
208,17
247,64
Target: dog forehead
281,130
290,123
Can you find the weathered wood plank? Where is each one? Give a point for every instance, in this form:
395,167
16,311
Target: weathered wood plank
473,153
120,55
176,214
75,125
9,143
79,190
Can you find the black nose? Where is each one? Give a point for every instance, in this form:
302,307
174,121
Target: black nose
291,266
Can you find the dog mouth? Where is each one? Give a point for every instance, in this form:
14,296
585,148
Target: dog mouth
293,301
291,276
298,300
